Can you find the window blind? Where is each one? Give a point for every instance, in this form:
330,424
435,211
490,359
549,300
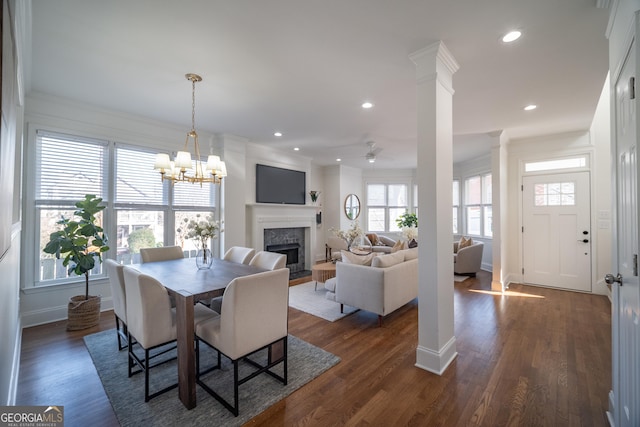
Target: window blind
136,180
69,167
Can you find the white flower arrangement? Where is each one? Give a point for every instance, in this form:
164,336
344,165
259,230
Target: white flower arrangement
200,229
350,234
411,233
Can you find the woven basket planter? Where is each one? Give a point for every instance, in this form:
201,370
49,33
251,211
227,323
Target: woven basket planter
83,314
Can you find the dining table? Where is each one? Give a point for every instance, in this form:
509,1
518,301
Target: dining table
188,284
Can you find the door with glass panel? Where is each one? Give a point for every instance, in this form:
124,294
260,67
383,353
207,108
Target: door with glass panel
556,230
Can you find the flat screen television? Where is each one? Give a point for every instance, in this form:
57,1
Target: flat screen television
278,185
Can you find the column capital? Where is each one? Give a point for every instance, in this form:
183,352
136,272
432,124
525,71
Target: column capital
435,63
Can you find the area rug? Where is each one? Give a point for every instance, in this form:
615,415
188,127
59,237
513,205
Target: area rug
126,395
460,278
305,298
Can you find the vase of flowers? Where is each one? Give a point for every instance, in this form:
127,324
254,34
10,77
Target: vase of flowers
201,230
349,235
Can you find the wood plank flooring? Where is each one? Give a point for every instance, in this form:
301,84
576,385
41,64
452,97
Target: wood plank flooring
533,357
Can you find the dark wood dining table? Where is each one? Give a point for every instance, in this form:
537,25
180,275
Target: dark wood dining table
187,284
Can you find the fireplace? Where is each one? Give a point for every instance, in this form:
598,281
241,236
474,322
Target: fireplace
274,224
290,242
290,250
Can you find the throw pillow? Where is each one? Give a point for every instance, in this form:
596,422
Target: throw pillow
410,254
398,246
388,260
351,258
464,242
373,238
386,241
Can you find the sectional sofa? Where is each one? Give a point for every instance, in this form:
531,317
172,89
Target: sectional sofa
390,282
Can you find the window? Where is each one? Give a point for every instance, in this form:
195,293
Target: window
567,163
385,203
141,210
555,194
60,182
477,205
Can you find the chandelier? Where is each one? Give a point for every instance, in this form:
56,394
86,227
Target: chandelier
181,169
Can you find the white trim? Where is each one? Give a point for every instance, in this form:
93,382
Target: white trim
436,362
15,368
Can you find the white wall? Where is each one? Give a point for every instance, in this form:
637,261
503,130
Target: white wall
15,18
602,185
596,147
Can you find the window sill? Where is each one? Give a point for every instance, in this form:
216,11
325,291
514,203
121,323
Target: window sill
55,287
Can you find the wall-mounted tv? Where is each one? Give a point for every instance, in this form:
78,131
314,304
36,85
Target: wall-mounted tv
278,185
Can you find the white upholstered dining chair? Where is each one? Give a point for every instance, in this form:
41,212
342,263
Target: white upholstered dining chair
253,317
239,254
262,259
269,260
116,281
151,324
163,253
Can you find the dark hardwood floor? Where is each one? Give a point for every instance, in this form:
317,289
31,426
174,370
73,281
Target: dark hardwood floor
532,357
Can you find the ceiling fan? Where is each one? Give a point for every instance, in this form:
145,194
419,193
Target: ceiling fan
373,152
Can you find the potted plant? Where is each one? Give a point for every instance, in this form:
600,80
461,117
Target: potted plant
408,222
80,241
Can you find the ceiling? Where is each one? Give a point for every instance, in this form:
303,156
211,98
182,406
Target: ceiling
304,68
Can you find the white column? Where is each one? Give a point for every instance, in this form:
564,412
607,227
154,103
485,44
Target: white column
499,211
436,342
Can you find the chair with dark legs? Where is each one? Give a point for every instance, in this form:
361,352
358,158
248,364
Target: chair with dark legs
239,254
262,259
152,324
253,317
116,280
269,260
164,253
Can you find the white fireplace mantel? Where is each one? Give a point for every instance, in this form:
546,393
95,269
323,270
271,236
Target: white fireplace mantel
264,216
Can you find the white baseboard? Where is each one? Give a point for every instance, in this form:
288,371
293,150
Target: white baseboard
436,361
55,314
15,368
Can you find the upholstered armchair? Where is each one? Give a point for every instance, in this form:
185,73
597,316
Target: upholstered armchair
467,260
334,246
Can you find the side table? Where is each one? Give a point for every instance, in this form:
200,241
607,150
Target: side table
322,272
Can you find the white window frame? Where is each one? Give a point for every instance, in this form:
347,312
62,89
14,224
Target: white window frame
483,206
31,248
386,206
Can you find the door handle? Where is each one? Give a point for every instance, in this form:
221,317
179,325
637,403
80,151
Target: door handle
611,279
583,240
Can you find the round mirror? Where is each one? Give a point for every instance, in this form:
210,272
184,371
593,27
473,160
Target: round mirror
352,206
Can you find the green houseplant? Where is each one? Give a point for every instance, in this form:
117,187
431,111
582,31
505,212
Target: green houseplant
80,242
407,220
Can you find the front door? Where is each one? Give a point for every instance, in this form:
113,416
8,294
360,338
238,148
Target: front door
626,290
556,230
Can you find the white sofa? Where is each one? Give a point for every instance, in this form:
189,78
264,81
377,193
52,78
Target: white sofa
380,290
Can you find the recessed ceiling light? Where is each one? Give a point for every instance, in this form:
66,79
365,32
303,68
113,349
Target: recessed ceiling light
367,105
530,107
277,134
511,36
338,160
296,149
